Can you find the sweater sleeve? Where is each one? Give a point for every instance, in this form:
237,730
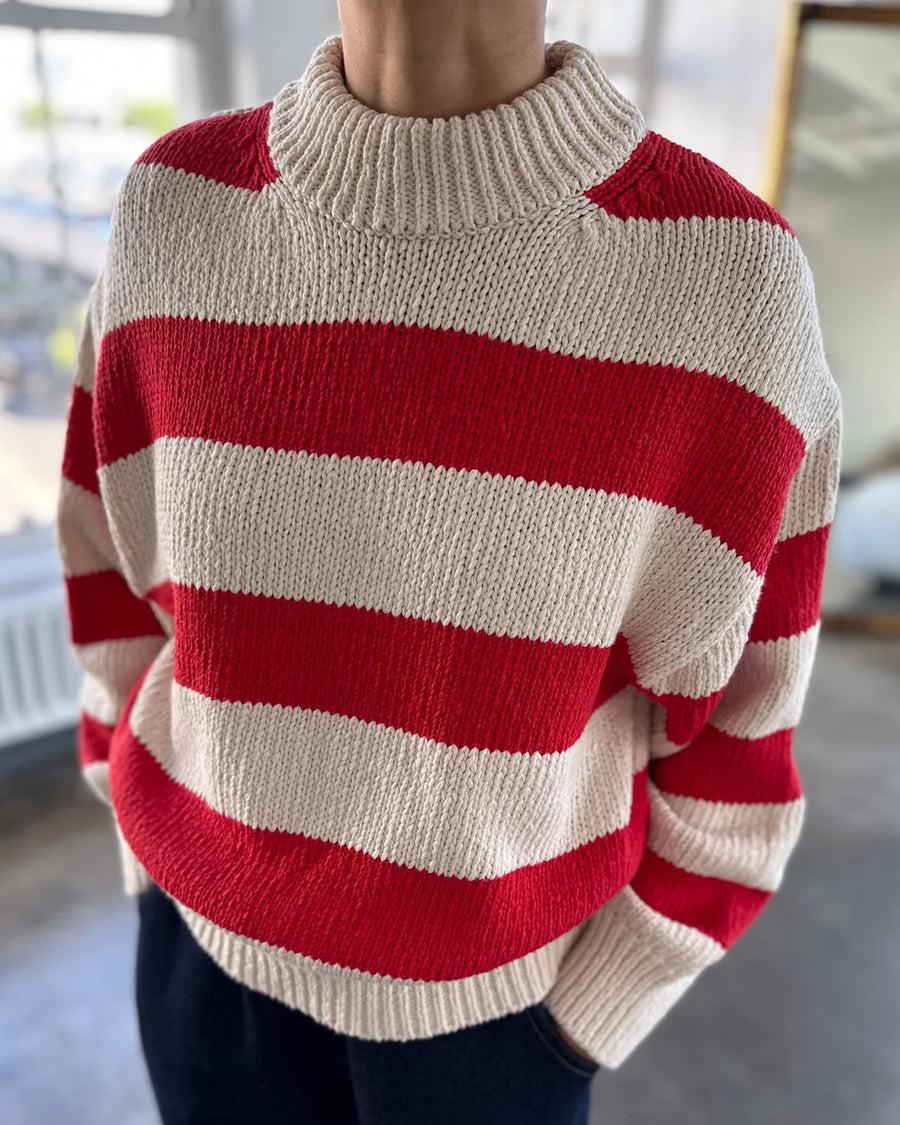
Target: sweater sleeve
114,632
725,800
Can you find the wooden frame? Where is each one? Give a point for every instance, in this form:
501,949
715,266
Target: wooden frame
796,17
883,620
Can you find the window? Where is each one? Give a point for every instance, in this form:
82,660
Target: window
621,33
137,7
77,106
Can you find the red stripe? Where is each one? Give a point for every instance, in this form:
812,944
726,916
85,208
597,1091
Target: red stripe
791,596
618,672
79,456
102,607
719,767
717,907
93,739
561,684
444,397
163,595
230,149
637,165
685,717
678,183
497,692
343,907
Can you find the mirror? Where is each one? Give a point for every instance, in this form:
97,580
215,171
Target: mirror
833,172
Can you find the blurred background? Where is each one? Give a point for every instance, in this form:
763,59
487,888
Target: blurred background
800,1023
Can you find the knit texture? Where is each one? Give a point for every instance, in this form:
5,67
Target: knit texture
443,516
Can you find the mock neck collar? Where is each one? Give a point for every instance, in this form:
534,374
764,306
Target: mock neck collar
420,176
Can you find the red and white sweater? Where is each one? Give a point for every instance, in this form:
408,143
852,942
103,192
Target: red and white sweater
443,512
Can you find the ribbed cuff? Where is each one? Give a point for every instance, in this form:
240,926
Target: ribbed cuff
628,968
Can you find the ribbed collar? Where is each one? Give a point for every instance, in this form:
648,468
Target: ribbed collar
417,176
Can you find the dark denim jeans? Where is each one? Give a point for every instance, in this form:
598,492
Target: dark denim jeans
219,1053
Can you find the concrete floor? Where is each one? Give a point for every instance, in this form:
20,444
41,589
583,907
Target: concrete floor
798,1025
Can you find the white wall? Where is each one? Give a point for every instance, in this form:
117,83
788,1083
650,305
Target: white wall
276,39
716,80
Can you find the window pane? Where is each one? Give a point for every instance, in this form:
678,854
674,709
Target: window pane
132,7
614,27
108,97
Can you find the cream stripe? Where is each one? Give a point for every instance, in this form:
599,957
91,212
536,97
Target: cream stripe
700,676
85,543
813,492
96,774
744,843
687,303
405,799
90,335
82,531
111,668
765,685
479,551
769,686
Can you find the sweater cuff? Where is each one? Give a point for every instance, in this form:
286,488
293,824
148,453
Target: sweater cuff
625,972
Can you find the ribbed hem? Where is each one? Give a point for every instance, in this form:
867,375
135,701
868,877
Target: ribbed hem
607,983
368,1006
630,966
419,175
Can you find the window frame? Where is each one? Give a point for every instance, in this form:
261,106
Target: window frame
196,22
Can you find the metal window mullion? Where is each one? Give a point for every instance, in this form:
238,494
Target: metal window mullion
183,21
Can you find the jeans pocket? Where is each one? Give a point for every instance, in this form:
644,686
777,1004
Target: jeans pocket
548,1032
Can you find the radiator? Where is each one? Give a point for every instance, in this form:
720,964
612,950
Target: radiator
40,678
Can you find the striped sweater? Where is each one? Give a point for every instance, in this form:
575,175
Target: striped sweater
443,517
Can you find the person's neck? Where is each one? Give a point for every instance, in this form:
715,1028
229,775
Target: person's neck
441,60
